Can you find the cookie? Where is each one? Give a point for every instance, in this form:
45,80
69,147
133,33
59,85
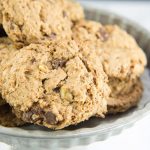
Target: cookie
1,13
6,49
123,61
7,118
121,56
121,87
54,85
31,21
122,103
73,10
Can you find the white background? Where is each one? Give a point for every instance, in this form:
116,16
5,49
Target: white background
137,137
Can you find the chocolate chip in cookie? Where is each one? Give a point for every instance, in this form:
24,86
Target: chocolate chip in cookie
58,63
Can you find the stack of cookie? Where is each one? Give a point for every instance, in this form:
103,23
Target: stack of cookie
58,69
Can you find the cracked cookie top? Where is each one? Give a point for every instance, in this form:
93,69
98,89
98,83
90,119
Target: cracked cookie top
54,85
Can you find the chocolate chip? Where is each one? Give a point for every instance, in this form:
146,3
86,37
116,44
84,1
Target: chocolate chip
64,14
57,89
37,111
27,72
36,114
103,34
20,27
27,116
43,81
58,63
50,118
33,60
52,36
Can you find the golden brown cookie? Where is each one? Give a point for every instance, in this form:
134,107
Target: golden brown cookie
55,85
1,12
121,87
123,61
28,21
73,10
6,49
7,118
120,54
122,103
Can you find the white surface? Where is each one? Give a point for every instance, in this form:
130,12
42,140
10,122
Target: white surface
137,137
4,146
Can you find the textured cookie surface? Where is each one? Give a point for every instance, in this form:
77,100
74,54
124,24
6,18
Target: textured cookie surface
0,17
55,85
119,52
121,103
7,118
6,49
122,59
121,87
1,12
28,21
73,10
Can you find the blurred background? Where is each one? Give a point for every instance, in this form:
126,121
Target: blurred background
136,10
